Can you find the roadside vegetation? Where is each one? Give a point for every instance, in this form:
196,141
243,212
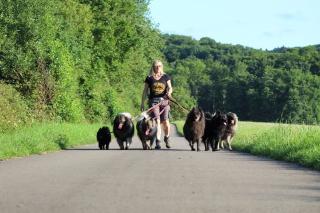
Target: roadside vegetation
288,142
45,137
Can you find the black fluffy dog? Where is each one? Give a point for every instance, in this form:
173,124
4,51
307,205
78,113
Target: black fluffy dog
194,126
215,128
104,137
147,131
123,130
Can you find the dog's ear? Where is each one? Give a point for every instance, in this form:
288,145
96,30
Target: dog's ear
202,114
213,114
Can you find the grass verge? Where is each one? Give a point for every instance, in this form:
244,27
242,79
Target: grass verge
292,143
45,137
179,125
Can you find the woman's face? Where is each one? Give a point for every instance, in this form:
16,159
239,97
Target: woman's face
157,67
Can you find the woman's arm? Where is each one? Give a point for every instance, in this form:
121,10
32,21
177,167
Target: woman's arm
169,88
144,95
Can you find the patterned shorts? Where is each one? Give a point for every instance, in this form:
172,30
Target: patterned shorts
163,108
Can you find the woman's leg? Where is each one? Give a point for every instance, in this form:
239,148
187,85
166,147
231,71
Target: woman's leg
166,124
158,140
156,115
166,130
166,127
158,130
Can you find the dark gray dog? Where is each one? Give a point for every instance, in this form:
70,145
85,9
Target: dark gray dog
215,128
193,128
123,130
147,131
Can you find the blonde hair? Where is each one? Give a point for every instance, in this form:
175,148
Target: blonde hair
152,67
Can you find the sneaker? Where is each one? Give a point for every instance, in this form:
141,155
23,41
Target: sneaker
166,140
157,145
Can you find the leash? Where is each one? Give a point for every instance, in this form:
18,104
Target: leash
175,102
144,113
154,106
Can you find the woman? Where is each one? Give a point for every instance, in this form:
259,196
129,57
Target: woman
158,86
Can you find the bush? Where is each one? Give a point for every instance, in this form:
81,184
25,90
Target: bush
13,109
62,141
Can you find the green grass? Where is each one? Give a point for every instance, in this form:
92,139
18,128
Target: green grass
45,137
179,125
292,143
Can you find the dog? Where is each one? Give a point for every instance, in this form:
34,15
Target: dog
230,130
123,130
214,130
104,137
147,131
194,126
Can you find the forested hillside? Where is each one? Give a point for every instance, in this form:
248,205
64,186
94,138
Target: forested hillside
73,60
279,85
85,61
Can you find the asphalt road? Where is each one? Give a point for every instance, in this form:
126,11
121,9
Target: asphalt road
86,179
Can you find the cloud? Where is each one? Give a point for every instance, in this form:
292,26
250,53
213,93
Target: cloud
287,16
294,16
277,33
267,34
287,31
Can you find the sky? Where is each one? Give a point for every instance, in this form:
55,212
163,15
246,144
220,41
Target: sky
260,24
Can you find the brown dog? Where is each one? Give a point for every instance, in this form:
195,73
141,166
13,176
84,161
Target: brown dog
193,128
230,130
147,131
